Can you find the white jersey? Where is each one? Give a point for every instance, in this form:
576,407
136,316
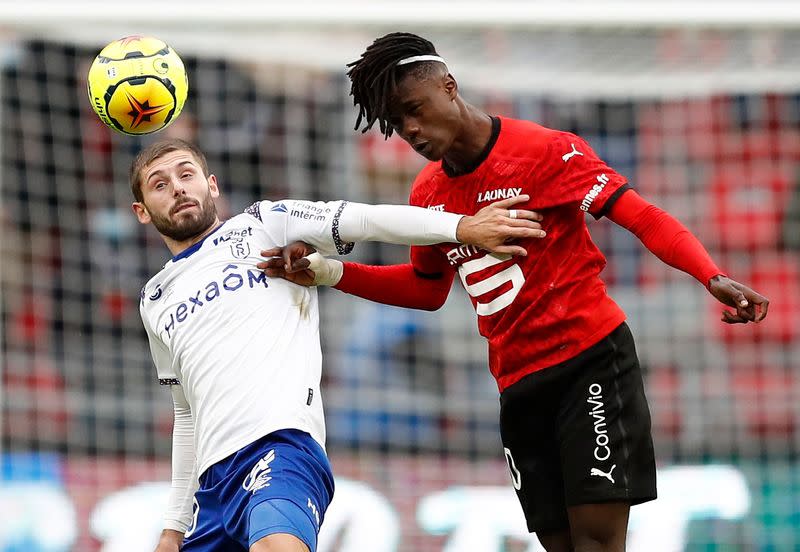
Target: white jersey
240,350
244,348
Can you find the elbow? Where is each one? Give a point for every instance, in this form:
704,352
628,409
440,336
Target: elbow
436,301
431,307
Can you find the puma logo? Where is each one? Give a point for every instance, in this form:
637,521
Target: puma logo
567,156
600,473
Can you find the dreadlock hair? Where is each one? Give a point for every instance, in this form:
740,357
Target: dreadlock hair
375,75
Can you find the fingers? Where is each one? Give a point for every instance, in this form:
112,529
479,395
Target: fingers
517,223
511,201
763,307
741,300
279,255
273,267
524,214
760,304
750,304
275,272
731,318
525,230
272,262
747,314
516,250
299,264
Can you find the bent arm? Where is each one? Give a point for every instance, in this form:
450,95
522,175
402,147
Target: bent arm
664,236
178,516
397,285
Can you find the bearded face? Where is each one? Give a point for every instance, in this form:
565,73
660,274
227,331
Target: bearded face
187,218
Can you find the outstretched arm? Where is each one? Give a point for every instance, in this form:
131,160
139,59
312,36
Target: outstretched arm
398,285
333,227
674,244
492,228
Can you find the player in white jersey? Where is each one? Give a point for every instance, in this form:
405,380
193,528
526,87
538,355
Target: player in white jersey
241,352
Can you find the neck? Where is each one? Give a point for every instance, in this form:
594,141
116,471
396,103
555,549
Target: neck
474,134
176,246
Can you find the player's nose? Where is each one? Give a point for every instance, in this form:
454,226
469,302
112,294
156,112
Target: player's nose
178,188
409,129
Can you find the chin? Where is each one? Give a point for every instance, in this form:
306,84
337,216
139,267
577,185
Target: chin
434,155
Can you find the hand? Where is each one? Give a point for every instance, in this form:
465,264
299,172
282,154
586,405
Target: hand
289,263
750,306
170,541
496,225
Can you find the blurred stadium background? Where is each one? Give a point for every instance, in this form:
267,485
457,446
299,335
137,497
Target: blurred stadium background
697,103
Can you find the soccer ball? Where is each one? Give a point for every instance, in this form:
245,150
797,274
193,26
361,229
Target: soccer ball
137,85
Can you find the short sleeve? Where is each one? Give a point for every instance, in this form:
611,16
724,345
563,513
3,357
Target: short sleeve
162,359
574,174
314,222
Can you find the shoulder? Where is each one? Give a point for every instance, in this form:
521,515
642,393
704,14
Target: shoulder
151,292
261,208
425,182
528,137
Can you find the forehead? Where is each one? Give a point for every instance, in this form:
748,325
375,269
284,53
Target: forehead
169,161
415,85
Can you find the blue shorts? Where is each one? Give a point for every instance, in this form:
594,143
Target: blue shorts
281,483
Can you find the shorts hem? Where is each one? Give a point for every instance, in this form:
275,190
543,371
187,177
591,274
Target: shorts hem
275,530
546,529
633,500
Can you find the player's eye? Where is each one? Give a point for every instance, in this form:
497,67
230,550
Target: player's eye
187,174
160,184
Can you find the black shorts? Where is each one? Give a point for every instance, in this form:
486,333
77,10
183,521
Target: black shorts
579,433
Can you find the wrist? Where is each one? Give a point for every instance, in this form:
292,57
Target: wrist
714,279
462,228
171,536
327,272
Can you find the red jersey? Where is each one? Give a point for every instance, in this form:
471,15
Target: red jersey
547,307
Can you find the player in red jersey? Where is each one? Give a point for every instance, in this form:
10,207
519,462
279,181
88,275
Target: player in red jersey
574,420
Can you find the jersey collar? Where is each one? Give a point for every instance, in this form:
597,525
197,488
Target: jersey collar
451,172
194,247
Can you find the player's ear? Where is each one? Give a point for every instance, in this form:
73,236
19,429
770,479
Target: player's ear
212,186
451,86
141,212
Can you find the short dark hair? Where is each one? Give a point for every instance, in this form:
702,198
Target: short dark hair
375,75
157,150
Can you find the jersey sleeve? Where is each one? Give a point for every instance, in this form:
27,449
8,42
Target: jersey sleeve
162,359
333,227
314,222
573,174
178,515
427,260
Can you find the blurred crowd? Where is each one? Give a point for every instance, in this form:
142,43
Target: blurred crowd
76,372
